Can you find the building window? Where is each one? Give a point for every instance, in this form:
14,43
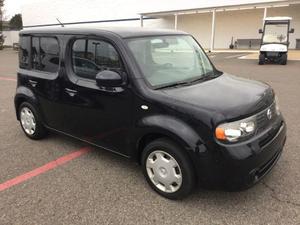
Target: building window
45,54
92,56
24,52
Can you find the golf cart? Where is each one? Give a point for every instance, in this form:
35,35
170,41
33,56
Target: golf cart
275,40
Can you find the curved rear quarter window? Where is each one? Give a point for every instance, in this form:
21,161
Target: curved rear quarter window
24,52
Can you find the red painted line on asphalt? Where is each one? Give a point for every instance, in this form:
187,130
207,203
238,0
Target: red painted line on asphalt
8,79
49,166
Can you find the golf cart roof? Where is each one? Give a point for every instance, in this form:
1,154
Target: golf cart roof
278,18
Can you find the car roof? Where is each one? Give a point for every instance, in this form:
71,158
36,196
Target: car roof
123,32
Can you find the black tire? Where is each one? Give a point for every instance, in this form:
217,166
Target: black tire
40,131
283,59
261,59
185,164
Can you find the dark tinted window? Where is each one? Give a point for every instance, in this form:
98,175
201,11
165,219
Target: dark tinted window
24,52
49,54
91,56
45,54
35,59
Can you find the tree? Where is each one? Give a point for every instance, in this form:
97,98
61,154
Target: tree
1,16
16,22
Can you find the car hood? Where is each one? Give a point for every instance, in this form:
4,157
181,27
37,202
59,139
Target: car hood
228,95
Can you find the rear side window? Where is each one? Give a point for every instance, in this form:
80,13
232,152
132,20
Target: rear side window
91,56
24,52
35,58
45,54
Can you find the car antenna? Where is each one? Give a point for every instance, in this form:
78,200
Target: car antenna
62,25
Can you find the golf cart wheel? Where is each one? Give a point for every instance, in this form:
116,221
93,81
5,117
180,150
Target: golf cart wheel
283,59
261,59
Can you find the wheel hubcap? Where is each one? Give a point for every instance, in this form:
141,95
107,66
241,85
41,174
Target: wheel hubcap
164,171
28,121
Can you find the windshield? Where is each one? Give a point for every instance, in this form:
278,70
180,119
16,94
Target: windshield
167,60
275,33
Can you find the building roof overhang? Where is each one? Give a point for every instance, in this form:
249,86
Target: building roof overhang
225,6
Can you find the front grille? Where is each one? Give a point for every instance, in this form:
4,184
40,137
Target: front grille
272,54
262,119
269,136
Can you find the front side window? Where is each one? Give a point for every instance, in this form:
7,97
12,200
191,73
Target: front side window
275,33
92,56
170,60
24,52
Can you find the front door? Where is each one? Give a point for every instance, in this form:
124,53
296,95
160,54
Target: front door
99,115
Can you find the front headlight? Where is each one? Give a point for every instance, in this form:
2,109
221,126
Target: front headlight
235,131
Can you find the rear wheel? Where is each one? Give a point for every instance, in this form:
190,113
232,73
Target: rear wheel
167,169
261,59
30,121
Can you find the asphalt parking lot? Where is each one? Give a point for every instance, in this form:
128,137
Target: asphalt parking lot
97,187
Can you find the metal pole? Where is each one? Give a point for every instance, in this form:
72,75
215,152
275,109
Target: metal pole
265,15
212,40
176,21
141,20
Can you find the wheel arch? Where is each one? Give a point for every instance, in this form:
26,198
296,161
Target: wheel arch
24,94
156,127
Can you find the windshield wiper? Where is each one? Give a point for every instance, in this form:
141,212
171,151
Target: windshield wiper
176,84
205,77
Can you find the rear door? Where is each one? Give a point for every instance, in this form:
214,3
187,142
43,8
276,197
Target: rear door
40,73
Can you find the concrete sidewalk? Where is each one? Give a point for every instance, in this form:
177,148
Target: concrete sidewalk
292,55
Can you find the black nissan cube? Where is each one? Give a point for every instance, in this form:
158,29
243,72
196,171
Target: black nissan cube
152,96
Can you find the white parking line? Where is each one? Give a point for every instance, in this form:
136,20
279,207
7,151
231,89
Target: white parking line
243,57
234,56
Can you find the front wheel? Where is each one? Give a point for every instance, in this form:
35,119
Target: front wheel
283,59
261,59
168,169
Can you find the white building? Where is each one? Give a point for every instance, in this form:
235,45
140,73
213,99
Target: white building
213,22
10,37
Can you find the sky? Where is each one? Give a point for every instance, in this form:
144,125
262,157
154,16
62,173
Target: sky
12,7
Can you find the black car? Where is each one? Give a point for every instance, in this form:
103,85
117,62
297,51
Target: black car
152,96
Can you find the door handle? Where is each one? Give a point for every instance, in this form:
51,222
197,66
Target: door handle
71,92
33,83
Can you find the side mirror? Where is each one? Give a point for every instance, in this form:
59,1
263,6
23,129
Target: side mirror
108,78
260,31
292,31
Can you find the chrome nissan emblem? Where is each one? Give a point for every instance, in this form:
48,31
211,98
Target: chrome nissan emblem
269,114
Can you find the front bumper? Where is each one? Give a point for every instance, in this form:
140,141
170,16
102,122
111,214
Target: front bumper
273,55
241,165
249,163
